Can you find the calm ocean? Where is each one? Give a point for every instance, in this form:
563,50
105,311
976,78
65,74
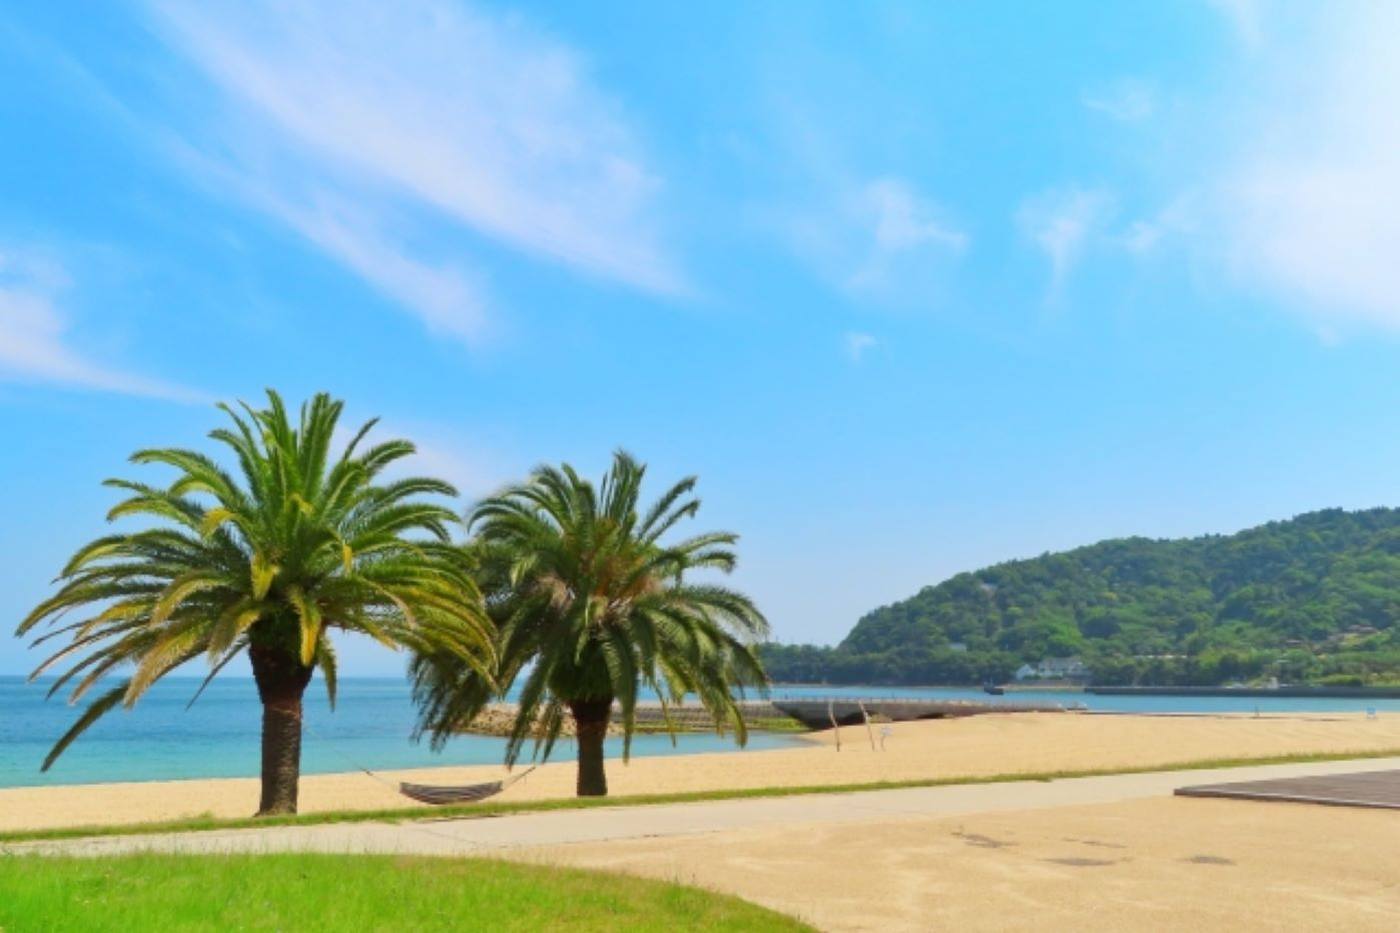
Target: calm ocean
218,736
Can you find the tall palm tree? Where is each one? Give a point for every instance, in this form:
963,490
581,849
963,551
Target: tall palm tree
272,562
588,596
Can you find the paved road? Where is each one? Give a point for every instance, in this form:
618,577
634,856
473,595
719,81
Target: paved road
499,835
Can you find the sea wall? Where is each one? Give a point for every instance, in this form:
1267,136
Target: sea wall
499,719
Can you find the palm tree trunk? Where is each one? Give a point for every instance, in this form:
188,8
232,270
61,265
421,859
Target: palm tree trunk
591,722
281,682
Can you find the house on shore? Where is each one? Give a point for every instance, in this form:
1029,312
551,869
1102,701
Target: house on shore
1054,669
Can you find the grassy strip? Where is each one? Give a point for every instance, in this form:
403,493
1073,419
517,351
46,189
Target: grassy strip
483,810
306,892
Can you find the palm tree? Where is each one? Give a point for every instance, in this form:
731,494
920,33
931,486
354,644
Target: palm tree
588,597
301,546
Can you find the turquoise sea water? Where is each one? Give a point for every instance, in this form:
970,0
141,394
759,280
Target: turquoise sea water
218,737
1116,704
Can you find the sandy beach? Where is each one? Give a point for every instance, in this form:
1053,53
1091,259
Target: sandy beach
1165,863
982,745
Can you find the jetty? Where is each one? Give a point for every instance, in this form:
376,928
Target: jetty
818,712
776,713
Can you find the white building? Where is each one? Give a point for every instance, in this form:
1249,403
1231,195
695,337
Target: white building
1053,669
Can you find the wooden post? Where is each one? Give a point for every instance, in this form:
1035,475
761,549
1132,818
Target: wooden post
869,731
835,726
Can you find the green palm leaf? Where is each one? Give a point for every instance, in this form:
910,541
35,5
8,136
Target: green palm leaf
267,558
589,597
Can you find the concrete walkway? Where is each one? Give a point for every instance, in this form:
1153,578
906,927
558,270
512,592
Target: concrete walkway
501,835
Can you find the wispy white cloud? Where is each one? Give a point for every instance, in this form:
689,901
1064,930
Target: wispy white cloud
877,236
442,453
873,237
34,340
420,113
1062,223
475,470
1179,217
1291,185
449,300
903,220
1309,204
1142,236
1245,18
901,223
1129,100
857,344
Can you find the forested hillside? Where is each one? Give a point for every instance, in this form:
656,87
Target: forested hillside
1313,599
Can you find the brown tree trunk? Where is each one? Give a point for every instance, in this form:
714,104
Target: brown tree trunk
591,721
281,682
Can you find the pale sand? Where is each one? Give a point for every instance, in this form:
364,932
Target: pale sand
1162,863
982,745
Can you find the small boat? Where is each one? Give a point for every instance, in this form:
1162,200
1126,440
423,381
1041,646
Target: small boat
993,689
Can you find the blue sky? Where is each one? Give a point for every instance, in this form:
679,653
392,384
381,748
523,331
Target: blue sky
912,287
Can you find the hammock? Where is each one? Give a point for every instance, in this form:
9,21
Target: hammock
467,793
434,795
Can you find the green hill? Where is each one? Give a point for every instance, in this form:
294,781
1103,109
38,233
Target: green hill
1314,599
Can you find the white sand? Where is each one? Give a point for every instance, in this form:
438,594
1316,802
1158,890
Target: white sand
1162,863
982,745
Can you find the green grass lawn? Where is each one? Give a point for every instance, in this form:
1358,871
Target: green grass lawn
349,892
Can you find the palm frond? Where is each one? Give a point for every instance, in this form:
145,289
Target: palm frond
271,555
590,599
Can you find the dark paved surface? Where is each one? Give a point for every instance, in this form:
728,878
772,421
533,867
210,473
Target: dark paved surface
1376,789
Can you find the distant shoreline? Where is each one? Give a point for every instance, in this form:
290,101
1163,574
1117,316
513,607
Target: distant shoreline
1290,691
1295,691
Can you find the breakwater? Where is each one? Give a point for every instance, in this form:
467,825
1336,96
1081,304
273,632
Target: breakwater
499,719
1289,691
818,712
